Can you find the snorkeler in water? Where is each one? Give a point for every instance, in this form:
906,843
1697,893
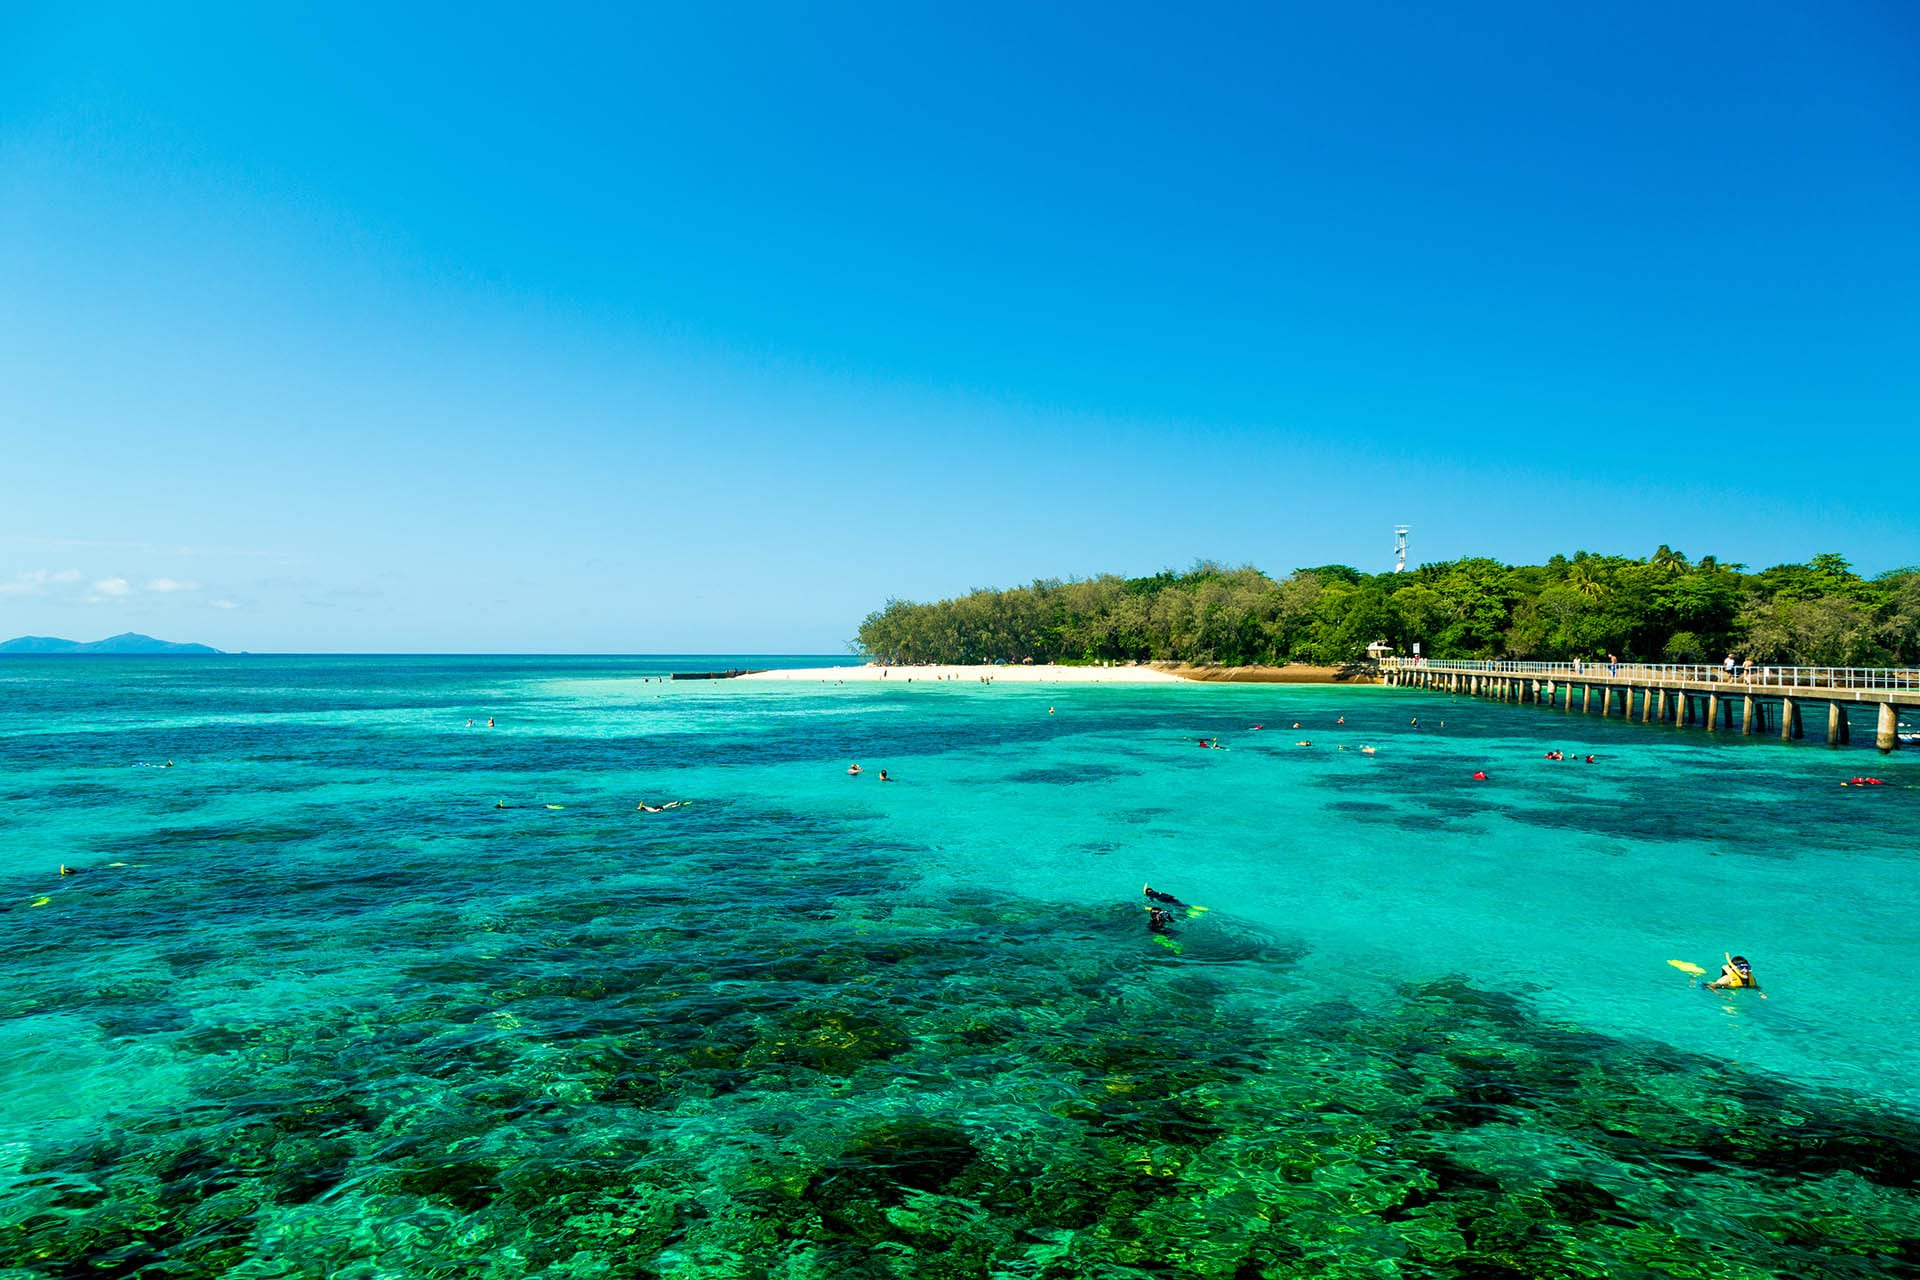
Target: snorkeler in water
1158,902
1158,921
1736,973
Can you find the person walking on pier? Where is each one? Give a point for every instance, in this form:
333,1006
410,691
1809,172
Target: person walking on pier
1727,666
1613,664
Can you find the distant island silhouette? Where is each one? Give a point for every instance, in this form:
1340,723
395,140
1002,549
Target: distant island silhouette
127,642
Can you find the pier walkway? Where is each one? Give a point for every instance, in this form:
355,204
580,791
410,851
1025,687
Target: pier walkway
1753,700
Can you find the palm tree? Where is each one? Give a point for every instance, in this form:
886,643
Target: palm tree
1584,580
1669,559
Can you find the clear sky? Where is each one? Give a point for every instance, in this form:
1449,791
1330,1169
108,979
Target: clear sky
709,328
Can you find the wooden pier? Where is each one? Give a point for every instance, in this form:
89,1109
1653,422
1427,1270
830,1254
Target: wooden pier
1757,700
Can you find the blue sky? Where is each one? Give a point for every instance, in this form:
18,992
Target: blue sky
400,328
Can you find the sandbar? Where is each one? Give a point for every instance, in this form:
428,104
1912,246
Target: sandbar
1022,673
1292,673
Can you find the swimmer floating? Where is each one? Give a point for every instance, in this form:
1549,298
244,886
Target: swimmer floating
1736,974
1167,899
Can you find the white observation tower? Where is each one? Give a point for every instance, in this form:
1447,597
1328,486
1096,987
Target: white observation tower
1400,548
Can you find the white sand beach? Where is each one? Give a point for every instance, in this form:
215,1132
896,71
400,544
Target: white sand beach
1022,674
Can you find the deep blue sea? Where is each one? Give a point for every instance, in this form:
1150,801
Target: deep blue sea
348,984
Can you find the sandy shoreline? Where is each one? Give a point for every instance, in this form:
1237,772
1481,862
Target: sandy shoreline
1049,674
1292,673
1037,674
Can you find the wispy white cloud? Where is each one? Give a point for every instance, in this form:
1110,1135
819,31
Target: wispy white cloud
152,548
225,604
87,542
33,582
69,585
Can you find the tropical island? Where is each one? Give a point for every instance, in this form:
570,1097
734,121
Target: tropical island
1664,608
127,642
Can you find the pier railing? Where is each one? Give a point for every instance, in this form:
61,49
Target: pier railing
1658,673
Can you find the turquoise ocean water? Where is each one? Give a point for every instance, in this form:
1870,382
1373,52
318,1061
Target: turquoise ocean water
317,1006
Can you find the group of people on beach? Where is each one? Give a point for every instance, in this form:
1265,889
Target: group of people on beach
937,676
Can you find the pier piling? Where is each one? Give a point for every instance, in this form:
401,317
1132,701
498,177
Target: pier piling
1679,694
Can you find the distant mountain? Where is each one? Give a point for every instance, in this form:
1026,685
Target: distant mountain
125,642
39,644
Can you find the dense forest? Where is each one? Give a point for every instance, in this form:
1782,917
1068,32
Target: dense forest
1665,608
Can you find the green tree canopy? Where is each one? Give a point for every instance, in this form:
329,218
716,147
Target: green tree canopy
1663,608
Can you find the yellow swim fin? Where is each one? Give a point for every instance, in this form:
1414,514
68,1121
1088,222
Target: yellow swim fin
1684,967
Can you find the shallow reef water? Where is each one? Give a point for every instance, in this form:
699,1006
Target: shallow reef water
394,1030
